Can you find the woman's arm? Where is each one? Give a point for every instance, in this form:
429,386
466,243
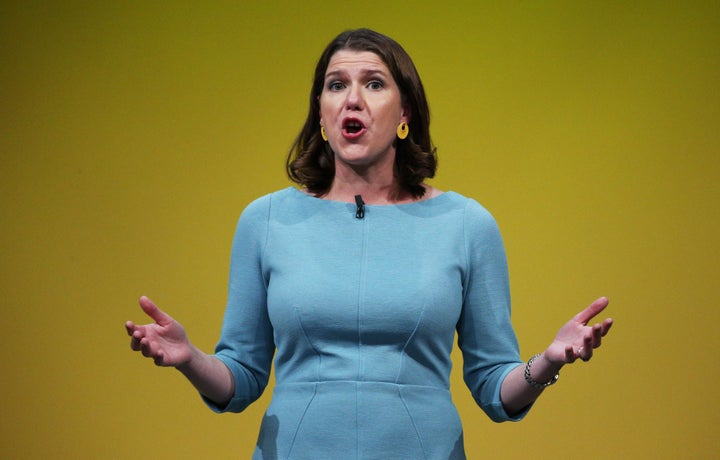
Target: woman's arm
576,339
167,344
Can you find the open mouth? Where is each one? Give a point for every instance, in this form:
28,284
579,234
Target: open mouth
352,127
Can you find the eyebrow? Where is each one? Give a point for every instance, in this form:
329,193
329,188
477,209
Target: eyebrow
364,72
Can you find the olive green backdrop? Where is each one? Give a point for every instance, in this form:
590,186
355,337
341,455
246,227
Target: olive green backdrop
132,134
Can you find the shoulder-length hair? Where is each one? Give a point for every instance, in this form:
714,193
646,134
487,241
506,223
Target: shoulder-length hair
310,162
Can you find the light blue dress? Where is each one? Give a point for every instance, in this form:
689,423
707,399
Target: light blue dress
361,315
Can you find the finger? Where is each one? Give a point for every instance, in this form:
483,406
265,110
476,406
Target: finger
597,335
136,334
569,354
135,340
154,312
586,351
606,325
592,310
133,329
147,349
135,343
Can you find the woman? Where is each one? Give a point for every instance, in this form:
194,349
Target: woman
358,282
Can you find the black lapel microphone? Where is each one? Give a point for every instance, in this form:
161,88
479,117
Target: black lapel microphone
360,210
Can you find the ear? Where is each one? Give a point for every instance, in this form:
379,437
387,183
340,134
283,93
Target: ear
319,110
405,115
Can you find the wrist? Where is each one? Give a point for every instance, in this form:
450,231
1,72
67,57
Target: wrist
540,372
191,361
552,366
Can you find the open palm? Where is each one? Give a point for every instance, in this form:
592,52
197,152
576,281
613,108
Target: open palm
164,340
576,339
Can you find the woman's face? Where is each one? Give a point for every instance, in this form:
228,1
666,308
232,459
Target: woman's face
360,108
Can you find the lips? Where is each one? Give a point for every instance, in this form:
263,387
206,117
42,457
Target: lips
352,128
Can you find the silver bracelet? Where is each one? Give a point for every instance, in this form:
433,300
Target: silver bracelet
532,382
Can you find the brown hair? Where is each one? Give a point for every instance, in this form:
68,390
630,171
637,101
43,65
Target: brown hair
310,160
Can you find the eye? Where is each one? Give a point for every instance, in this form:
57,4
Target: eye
335,85
375,84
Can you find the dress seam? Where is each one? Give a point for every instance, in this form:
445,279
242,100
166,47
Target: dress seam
263,248
466,252
407,343
414,425
360,301
307,339
300,422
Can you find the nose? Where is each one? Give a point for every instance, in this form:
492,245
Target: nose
354,99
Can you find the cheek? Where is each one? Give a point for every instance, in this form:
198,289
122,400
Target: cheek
323,104
392,108
327,110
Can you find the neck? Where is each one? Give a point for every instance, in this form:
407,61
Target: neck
372,193
376,185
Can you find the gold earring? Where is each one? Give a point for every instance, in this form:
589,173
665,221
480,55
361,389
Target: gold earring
322,133
402,130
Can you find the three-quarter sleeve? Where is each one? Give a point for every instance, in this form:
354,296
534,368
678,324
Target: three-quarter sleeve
485,334
246,343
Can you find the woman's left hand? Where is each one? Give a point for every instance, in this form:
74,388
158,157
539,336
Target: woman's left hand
576,339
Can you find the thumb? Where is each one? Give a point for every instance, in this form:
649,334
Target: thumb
592,310
154,312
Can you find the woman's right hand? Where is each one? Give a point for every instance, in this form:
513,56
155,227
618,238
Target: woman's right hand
164,340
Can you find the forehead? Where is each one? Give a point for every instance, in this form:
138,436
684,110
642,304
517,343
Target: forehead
351,60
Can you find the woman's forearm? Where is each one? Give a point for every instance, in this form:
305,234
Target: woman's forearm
210,376
517,393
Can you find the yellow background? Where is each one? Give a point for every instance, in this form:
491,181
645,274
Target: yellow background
134,133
